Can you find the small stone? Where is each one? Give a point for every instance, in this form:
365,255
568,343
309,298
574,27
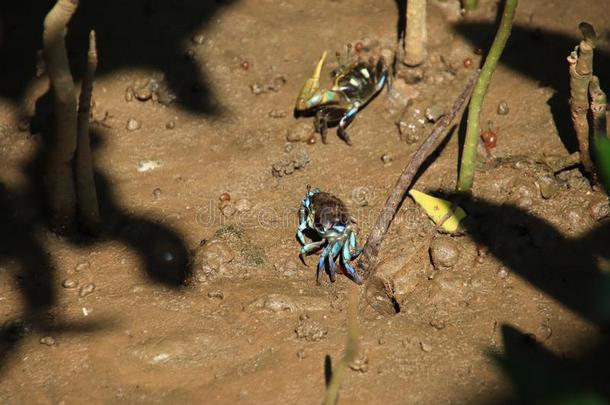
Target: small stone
277,114
301,354
156,193
288,147
299,132
433,113
225,197
218,294
129,94
544,332
256,89
86,290
310,330
147,165
69,283
599,208
198,39
524,202
380,341
425,347
502,273
360,364
133,124
386,159
276,84
502,108
243,205
82,266
47,340
444,252
548,186
170,125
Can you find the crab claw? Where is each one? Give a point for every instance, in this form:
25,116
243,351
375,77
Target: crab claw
310,87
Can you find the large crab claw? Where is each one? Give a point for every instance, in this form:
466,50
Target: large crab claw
311,86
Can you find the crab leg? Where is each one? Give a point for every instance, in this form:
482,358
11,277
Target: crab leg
309,248
323,257
344,123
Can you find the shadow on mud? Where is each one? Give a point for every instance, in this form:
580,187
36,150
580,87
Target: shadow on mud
146,34
572,272
541,55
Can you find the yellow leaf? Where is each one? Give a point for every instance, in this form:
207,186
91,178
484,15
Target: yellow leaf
437,208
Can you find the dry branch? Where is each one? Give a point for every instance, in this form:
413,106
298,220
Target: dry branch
368,259
88,212
59,175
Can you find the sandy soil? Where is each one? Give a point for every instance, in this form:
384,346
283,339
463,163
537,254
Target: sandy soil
108,320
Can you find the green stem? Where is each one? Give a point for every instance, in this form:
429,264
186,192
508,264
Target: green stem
600,132
351,348
467,166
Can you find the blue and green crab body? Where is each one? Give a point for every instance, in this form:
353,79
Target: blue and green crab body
326,217
354,85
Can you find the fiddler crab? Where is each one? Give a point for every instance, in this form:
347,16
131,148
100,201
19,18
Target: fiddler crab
326,218
354,85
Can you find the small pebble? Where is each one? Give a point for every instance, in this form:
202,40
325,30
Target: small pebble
82,266
277,114
425,347
156,193
198,39
245,65
444,252
360,364
599,209
147,165
502,273
218,294
47,340
311,140
300,132
386,159
170,125
467,63
358,46
86,290
69,283
129,94
301,354
433,113
133,124
502,108
548,186
256,89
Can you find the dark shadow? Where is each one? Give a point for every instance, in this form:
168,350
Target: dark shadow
147,34
566,270
541,56
401,22
328,370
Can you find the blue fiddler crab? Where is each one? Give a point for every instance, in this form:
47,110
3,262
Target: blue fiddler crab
326,217
354,85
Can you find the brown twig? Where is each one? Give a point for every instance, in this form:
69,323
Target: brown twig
59,173
368,259
88,209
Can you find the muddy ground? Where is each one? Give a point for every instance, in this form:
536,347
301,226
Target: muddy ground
193,100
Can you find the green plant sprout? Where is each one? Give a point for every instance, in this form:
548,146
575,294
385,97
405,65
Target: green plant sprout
467,166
